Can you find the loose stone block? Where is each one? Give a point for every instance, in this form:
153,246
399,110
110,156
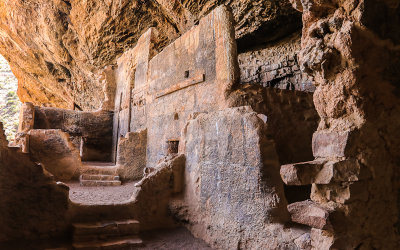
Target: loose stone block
310,214
301,173
330,144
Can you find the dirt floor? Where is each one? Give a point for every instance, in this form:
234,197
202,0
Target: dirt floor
171,239
100,195
179,238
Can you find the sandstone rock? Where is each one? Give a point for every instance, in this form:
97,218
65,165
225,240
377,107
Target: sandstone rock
61,65
155,191
311,214
22,140
26,117
340,192
330,144
322,172
322,239
304,242
55,151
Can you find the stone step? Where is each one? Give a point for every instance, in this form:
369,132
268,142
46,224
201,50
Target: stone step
94,170
124,226
85,232
89,213
311,214
120,243
94,183
99,177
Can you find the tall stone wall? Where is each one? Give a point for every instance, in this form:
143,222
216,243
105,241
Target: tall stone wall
193,74
276,66
352,53
131,92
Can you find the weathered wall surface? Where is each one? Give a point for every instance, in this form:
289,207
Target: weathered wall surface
233,196
275,65
32,205
55,151
91,129
193,74
131,155
131,77
58,49
352,53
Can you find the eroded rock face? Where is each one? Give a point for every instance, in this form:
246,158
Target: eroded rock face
32,205
58,49
351,52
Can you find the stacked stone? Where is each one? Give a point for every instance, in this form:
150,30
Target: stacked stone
267,67
350,52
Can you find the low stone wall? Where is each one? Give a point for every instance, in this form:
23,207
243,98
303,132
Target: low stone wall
32,205
233,198
90,131
131,155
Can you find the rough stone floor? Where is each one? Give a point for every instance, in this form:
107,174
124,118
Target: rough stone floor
171,239
100,195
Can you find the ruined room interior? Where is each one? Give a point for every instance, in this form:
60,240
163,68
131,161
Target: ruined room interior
181,124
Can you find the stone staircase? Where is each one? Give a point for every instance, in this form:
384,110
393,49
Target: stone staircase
106,235
99,174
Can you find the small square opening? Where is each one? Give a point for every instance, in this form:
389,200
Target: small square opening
187,74
173,146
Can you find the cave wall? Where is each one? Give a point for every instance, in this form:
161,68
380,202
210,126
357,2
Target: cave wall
32,205
58,49
351,53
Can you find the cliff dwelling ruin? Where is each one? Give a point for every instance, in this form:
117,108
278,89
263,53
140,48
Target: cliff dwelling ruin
202,124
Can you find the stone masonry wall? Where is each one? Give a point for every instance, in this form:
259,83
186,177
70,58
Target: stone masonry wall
193,74
275,65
